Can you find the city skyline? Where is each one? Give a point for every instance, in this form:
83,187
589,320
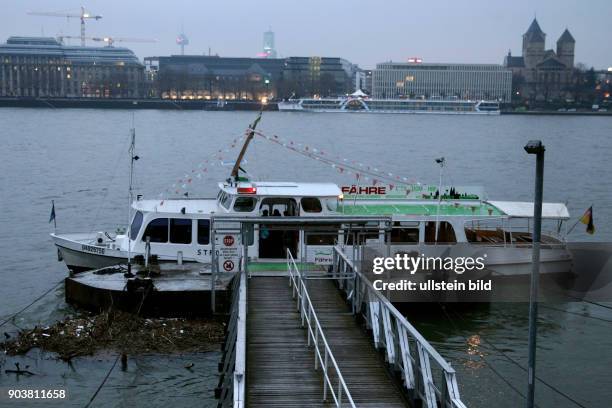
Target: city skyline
447,32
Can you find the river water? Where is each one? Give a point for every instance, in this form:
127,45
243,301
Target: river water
79,159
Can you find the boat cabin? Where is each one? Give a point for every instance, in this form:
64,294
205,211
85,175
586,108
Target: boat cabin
182,227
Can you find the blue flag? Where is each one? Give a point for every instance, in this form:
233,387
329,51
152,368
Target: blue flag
52,216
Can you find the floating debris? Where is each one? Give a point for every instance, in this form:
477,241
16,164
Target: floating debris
124,332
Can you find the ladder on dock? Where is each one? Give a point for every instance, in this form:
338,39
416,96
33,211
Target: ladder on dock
306,348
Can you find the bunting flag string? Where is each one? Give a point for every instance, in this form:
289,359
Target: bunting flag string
360,170
182,185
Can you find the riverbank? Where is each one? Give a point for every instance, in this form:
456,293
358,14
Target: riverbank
557,113
160,104
199,104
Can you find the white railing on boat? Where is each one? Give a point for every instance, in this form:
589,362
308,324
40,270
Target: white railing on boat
324,357
405,348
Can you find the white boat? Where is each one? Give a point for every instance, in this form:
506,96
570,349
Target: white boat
360,103
460,221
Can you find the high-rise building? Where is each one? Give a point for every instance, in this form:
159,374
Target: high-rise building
268,45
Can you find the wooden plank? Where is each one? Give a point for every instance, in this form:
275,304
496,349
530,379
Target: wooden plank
280,365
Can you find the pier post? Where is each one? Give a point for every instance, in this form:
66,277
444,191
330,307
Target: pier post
535,147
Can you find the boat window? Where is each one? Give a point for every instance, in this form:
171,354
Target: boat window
203,232
180,230
311,205
245,204
332,204
226,200
405,232
446,233
136,224
157,230
277,206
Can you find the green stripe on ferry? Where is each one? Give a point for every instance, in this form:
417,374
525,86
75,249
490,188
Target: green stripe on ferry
419,209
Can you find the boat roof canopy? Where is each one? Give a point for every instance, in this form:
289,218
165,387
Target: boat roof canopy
521,209
174,206
286,189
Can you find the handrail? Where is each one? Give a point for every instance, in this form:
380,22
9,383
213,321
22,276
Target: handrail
315,333
231,389
405,348
240,364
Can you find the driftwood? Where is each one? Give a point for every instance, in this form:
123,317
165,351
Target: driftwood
114,330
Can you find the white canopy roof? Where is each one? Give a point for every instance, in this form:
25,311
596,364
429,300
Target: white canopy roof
174,206
359,93
289,189
522,209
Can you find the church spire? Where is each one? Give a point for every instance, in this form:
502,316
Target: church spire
534,33
566,37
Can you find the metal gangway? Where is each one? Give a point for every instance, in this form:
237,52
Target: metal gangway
294,339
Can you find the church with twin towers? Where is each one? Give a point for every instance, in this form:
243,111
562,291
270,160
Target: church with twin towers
540,74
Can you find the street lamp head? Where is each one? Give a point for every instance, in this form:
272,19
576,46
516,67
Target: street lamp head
534,147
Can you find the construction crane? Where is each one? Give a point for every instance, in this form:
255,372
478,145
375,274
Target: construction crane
110,41
83,15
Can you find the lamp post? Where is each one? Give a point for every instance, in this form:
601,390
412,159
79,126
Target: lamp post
535,147
441,162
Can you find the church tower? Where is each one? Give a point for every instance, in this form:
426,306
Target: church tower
533,44
565,48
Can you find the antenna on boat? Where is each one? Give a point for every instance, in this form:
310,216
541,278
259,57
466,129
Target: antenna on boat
441,162
250,134
133,158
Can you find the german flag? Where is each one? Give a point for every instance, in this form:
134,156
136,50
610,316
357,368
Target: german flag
587,219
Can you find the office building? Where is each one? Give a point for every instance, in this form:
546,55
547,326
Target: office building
44,67
213,77
394,80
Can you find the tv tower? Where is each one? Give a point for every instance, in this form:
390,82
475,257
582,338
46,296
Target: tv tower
182,40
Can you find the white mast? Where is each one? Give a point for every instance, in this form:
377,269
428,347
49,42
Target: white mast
133,158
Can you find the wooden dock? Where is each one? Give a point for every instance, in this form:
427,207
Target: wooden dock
280,365
362,366
326,339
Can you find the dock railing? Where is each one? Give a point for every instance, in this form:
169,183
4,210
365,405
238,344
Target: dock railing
231,391
332,377
405,348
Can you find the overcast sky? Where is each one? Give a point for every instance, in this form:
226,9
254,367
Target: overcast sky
364,32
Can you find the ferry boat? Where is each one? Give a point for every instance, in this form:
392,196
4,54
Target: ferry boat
429,220
359,102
